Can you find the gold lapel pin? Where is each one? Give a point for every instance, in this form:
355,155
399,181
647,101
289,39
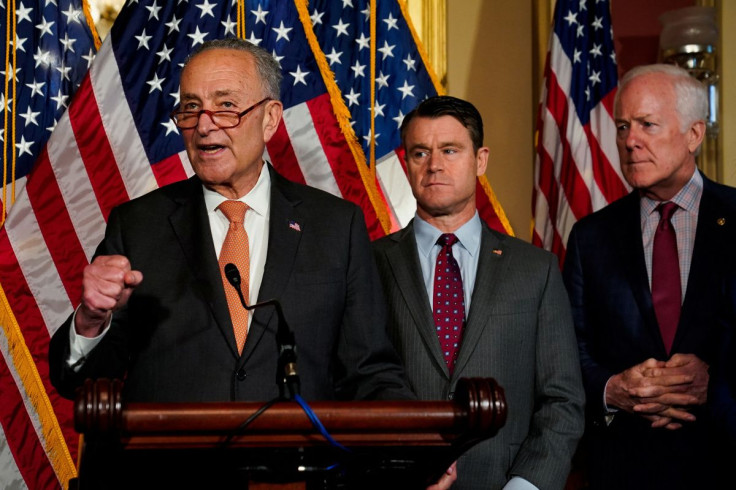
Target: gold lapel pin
721,221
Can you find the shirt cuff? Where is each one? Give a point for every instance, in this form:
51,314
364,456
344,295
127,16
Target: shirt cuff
518,483
80,346
608,412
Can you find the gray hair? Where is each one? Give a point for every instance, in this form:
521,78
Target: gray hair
267,67
691,94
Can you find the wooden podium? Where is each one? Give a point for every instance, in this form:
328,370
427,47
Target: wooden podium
245,445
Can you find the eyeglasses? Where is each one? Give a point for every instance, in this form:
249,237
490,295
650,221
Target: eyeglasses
221,119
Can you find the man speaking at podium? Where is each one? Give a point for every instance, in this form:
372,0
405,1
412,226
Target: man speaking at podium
157,309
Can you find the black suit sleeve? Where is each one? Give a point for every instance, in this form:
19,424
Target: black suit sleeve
109,358
369,367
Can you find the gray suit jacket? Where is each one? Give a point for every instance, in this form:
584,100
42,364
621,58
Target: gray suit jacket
519,331
174,340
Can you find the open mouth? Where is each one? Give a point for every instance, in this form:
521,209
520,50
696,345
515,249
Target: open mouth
210,149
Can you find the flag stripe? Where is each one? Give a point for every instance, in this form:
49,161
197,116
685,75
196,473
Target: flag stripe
96,152
22,348
610,179
576,166
309,153
338,132
21,436
396,189
346,172
170,170
75,186
39,304
560,210
119,124
56,227
31,346
568,175
281,154
11,475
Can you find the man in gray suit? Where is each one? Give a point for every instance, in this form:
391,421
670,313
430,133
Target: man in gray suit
466,301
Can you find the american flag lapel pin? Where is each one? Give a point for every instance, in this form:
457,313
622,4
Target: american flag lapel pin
497,251
294,225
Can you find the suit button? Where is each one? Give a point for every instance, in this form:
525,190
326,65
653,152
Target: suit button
241,374
451,395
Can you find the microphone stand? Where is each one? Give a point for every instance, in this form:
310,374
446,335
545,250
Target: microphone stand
287,376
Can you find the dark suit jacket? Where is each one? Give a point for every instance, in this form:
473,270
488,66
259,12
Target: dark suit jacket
616,327
519,331
174,340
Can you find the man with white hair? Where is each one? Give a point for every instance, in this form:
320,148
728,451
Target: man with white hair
644,277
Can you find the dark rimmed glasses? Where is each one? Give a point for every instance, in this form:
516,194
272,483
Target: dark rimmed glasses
221,119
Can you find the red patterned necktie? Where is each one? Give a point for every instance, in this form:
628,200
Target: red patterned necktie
235,250
666,289
449,303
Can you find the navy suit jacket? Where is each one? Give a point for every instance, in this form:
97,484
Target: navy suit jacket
616,326
174,340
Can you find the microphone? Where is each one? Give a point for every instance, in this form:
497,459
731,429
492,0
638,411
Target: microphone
233,277
287,376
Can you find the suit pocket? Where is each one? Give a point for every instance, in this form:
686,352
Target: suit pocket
517,306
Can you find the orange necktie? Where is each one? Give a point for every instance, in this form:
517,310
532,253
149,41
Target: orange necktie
235,251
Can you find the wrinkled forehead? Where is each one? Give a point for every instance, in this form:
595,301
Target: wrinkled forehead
652,89
220,71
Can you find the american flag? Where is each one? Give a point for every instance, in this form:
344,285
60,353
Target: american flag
116,142
47,49
576,168
379,94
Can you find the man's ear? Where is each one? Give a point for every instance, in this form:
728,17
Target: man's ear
271,118
481,158
695,135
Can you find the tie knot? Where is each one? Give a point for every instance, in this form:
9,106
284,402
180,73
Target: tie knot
666,210
447,240
234,211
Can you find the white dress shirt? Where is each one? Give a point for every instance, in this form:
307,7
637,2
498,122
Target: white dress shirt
256,225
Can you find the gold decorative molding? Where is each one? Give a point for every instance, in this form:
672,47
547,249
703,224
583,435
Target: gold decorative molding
542,11
429,18
709,159
103,14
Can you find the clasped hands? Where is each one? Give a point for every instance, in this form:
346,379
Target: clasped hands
662,392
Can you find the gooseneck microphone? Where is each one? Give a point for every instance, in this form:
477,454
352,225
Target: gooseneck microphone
287,376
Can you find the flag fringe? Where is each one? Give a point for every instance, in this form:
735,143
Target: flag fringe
9,34
91,24
486,185
343,117
52,437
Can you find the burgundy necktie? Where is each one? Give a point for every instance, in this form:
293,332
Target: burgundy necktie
666,290
449,303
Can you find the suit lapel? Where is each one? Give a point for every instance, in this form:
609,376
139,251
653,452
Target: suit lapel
407,272
283,243
192,229
713,230
630,248
492,266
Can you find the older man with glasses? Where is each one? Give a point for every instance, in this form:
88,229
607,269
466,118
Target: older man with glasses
157,308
